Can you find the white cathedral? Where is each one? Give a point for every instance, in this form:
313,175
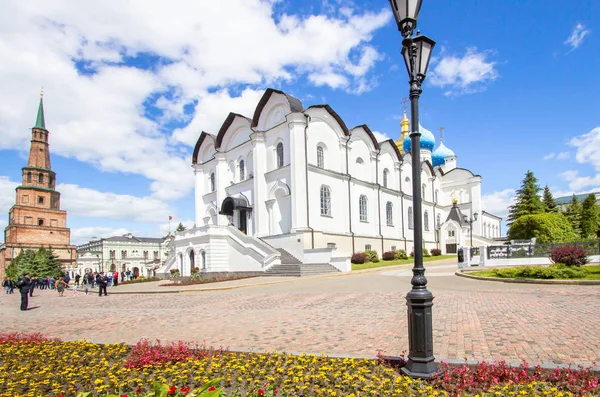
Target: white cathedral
295,182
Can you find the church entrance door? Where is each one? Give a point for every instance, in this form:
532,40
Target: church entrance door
243,224
451,248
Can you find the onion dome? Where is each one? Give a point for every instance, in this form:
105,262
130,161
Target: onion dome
427,140
439,155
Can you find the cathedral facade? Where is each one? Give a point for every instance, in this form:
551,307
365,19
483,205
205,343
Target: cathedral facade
36,219
299,180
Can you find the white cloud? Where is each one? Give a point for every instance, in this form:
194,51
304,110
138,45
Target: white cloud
331,79
7,194
84,234
577,182
464,75
380,136
497,203
577,36
117,117
563,155
550,156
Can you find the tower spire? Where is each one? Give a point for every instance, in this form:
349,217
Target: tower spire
40,122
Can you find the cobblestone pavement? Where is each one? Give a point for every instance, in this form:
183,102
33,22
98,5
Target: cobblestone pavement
353,315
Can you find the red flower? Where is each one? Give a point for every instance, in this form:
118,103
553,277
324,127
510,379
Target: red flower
212,388
61,395
124,395
275,392
138,391
261,392
184,389
172,390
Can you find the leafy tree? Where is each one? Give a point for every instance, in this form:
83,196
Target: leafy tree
527,200
589,216
547,227
180,227
573,214
548,200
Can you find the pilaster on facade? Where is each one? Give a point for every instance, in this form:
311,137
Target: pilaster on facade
221,182
260,210
298,169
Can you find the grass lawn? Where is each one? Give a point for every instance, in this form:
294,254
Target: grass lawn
592,273
382,263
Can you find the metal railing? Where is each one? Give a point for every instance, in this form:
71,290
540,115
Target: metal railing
537,250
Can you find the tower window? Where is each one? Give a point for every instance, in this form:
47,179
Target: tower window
279,155
40,200
41,178
29,177
40,222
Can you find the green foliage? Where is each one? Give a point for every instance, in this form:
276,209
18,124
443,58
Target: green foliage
400,254
372,256
527,200
573,214
546,227
11,270
426,252
180,227
42,263
548,200
557,272
589,217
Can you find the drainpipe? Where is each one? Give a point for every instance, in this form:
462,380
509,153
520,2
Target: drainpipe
378,197
349,195
402,206
312,231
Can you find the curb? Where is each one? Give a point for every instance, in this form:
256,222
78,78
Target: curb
530,281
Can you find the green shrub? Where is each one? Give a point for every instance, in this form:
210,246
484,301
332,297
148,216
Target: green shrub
372,256
400,254
426,252
547,227
556,272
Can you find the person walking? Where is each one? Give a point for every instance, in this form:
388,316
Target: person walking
102,282
6,284
33,282
60,285
77,278
24,284
116,278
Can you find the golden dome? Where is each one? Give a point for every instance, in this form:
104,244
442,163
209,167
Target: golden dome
405,130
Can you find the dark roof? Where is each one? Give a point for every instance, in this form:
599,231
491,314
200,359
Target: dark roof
391,142
458,168
295,104
225,127
580,197
203,136
334,115
455,215
369,133
138,239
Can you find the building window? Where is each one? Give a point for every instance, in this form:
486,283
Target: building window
29,177
279,155
203,255
155,254
112,254
362,208
40,200
385,177
450,233
50,180
325,200
212,182
367,247
389,215
410,218
40,222
426,220
320,157
145,254
423,191
439,221
242,170
41,178
436,195
123,254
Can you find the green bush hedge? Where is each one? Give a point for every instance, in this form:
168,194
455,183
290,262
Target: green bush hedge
557,271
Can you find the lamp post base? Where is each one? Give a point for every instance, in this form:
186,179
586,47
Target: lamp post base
421,362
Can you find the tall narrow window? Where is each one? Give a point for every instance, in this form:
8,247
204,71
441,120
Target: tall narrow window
123,254
41,178
362,208
29,177
389,215
438,221
325,200
436,195
426,220
320,157
385,177
212,182
279,155
242,170
423,191
145,254
410,218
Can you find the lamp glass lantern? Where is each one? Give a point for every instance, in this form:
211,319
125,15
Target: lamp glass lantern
406,13
423,46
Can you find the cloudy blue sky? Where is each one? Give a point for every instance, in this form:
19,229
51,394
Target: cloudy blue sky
129,86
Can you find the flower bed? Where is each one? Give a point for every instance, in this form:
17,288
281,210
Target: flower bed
37,366
206,279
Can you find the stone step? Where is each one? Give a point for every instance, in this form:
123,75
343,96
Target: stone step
299,270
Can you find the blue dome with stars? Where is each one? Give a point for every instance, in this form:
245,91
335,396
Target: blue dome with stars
427,140
439,155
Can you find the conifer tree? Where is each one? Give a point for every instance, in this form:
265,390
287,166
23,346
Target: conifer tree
589,217
180,227
527,200
548,200
42,263
22,261
573,214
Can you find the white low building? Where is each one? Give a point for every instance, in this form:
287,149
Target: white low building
299,179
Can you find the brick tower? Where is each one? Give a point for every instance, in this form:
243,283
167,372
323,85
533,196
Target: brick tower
36,219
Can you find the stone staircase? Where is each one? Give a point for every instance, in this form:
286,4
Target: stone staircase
292,267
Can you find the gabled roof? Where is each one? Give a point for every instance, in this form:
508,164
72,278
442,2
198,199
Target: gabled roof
226,126
334,115
203,136
295,104
455,215
369,133
396,150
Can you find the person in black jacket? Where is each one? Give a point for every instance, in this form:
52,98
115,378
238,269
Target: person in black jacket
102,282
24,285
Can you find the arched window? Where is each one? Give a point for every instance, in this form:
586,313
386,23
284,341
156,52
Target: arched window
192,260
320,157
423,191
385,177
41,178
325,200
439,220
436,195
389,215
203,256
242,170
362,208
29,177
489,230
50,180
426,220
484,229
410,218
279,155
212,182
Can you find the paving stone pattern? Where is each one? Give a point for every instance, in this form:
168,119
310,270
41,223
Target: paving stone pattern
352,315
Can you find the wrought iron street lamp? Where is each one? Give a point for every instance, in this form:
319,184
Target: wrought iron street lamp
416,52
470,222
